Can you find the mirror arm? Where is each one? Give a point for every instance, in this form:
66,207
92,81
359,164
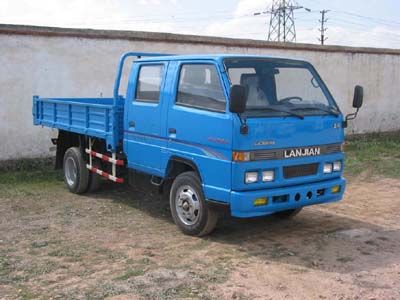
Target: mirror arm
350,117
244,129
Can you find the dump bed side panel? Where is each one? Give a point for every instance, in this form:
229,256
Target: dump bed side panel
96,117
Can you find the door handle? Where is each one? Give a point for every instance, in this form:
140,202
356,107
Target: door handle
171,130
131,124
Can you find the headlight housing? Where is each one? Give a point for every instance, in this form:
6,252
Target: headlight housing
328,168
251,177
337,166
268,176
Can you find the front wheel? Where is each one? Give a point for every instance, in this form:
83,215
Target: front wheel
189,208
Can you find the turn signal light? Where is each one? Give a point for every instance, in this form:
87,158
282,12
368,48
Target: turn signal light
240,156
260,201
335,189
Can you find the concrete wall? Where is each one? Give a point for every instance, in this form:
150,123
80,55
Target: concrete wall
81,63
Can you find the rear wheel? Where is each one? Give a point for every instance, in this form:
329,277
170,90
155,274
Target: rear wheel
288,214
189,208
94,178
76,175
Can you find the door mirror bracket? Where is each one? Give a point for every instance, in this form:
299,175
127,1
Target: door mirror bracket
357,103
244,128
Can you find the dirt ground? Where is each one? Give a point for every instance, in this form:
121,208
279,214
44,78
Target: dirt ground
121,244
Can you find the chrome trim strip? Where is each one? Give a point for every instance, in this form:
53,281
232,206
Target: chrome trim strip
279,153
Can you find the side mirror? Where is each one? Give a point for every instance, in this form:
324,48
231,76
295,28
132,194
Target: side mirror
358,96
357,103
238,99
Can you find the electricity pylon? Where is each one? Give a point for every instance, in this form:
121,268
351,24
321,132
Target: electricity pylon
281,25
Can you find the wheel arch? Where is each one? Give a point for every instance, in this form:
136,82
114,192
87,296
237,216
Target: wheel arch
66,140
177,165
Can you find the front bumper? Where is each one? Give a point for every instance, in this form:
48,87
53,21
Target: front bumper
284,198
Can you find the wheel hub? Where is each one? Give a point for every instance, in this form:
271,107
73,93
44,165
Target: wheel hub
71,171
187,205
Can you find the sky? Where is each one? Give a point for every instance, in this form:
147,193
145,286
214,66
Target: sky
367,23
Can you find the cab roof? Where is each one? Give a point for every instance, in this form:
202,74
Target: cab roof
215,57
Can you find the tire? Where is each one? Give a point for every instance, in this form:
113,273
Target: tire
288,214
94,179
76,175
188,206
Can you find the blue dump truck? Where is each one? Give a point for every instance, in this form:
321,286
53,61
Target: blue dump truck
253,135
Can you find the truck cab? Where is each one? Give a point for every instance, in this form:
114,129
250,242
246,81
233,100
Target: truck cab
254,135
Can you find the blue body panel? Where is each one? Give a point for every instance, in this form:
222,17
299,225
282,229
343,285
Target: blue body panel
242,202
197,140
96,117
207,139
144,136
285,133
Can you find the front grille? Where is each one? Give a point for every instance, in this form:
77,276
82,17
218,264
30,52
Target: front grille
279,153
300,170
333,148
265,155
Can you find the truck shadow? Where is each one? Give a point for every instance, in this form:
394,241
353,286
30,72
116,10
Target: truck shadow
144,197
317,238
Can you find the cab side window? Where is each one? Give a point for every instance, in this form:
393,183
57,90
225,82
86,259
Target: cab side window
149,83
200,87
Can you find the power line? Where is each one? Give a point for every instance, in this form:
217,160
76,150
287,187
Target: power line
373,19
323,29
284,11
117,21
362,27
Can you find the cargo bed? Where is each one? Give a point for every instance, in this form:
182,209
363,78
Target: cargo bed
95,117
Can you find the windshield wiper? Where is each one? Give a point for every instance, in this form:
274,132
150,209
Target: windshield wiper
328,110
279,110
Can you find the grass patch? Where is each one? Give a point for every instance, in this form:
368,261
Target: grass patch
376,154
217,274
131,273
40,268
25,294
26,164
67,252
187,291
29,182
5,267
14,270
45,175
100,290
345,259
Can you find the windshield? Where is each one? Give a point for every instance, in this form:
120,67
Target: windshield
280,87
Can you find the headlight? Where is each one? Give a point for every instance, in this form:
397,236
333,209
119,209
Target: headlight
268,176
251,177
337,166
327,168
